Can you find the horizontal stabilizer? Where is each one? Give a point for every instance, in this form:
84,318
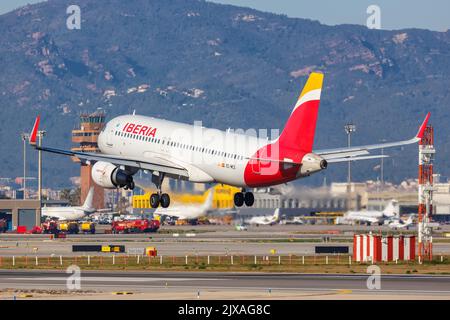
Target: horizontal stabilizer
340,153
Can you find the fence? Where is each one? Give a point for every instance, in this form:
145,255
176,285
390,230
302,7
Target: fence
173,261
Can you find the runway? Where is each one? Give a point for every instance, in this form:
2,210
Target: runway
214,285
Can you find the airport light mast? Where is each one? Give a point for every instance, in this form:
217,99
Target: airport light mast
25,137
426,157
349,129
40,135
382,165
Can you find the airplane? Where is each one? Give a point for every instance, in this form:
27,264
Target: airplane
130,143
294,220
265,220
390,212
399,224
187,212
71,213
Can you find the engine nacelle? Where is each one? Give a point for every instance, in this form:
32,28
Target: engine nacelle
109,176
312,163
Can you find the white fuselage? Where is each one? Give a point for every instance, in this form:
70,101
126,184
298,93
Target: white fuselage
262,220
265,220
65,213
209,155
390,212
182,211
364,216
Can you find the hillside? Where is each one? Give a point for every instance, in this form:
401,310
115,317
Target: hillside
228,66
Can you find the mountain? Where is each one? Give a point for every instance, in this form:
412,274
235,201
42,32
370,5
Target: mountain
225,65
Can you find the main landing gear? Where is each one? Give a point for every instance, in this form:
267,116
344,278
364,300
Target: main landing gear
244,197
159,198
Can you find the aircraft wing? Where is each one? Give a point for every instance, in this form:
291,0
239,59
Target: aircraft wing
146,163
361,152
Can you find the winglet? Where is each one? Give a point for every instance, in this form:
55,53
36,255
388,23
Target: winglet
34,131
422,127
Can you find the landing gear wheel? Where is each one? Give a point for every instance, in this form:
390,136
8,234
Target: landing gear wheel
154,200
249,199
164,200
238,199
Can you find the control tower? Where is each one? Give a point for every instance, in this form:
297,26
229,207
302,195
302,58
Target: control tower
85,137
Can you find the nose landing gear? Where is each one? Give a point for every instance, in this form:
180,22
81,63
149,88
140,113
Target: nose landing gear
159,198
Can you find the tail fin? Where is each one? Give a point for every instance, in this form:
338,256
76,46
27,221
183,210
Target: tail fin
409,221
298,133
392,209
208,204
276,215
88,203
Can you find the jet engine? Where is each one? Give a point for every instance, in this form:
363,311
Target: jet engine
110,176
312,163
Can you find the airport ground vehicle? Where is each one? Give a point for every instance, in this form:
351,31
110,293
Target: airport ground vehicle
69,227
88,227
50,227
36,230
135,226
203,220
241,227
187,222
55,227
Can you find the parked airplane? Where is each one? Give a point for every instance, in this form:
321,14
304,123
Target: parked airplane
399,224
71,213
294,220
188,211
265,220
390,212
130,143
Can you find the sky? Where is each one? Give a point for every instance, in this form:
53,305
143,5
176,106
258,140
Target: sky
395,14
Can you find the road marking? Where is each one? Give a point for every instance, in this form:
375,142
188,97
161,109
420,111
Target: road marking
113,279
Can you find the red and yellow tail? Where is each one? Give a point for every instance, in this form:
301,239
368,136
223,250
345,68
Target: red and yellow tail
298,133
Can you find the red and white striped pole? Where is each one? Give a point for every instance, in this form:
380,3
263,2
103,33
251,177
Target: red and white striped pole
426,156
